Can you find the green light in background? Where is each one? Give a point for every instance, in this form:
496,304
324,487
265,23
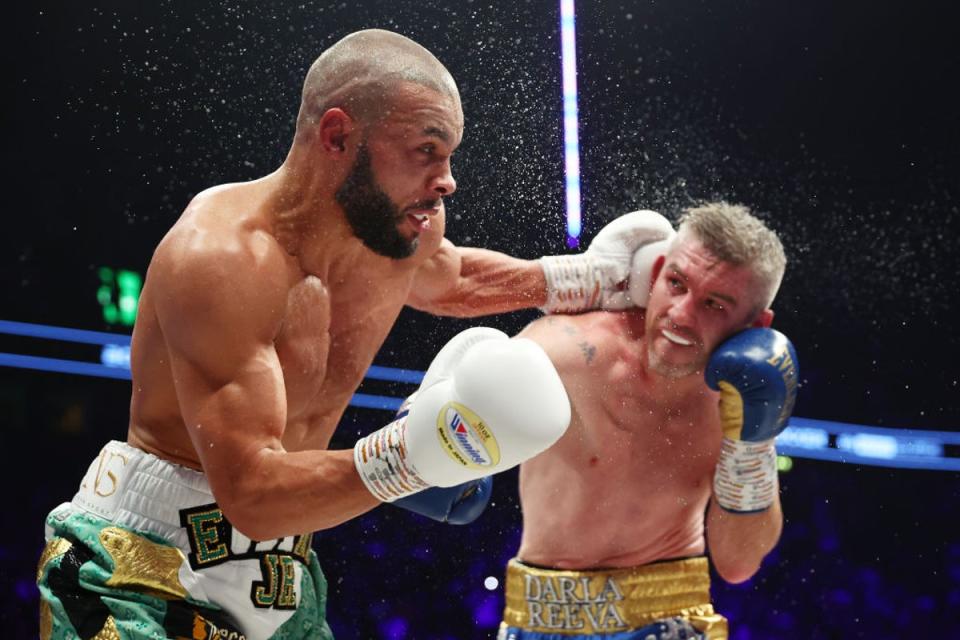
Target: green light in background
784,463
118,295
129,283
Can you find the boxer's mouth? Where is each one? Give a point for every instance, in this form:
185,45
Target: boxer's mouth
419,214
420,221
675,339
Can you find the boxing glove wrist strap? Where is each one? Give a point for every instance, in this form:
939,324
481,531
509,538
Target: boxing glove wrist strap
382,462
746,476
572,283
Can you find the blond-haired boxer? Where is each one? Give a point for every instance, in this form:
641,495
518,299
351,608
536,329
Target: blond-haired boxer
674,413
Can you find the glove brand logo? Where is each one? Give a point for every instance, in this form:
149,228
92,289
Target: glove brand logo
784,363
465,438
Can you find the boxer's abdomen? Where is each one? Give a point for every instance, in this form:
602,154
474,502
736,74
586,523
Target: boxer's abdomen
615,500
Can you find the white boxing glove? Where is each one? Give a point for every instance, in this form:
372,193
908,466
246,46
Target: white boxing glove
598,278
448,357
490,404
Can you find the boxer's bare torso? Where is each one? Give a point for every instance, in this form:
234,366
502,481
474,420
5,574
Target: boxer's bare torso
331,320
629,481
265,304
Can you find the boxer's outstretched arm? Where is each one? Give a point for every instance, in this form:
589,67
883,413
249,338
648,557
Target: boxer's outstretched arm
467,282
474,282
738,542
220,314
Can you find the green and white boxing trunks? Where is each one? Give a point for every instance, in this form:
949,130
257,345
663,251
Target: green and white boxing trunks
143,552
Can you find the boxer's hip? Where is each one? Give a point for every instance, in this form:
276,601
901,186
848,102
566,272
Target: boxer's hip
663,599
147,532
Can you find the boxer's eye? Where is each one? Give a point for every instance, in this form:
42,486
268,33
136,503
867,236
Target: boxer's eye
714,304
674,283
428,149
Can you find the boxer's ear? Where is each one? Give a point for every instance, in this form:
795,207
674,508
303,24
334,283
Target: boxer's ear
764,320
334,127
655,272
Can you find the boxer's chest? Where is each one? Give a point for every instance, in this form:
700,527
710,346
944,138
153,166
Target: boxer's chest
666,447
329,337
651,454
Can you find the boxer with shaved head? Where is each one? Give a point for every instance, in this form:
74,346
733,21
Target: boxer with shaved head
263,308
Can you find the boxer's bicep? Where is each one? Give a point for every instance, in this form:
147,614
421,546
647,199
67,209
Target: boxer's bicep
231,417
219,331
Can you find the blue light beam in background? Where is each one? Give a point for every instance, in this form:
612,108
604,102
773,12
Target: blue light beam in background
571,137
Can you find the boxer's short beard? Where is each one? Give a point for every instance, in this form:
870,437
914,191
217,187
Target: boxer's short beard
668,370
373,217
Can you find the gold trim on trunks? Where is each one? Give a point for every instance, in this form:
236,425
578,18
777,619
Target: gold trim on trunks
142,565
54,549
46,620
611,600
109,631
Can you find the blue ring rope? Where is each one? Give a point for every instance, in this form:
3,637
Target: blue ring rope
804,437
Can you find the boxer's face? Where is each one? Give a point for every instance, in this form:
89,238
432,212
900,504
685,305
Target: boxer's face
696,302
402,171
370,211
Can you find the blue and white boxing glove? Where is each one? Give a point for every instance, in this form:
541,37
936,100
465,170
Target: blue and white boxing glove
614,271
461,504
486,404
756,374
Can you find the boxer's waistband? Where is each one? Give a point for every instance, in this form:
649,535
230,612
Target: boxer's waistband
609,600
124,484
129,487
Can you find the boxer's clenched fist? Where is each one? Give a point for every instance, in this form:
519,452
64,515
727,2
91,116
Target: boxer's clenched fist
599,277
489,404
756,374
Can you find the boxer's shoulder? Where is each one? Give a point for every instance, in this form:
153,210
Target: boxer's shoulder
234,274
560,324
221,236
202,256
599,328
575,343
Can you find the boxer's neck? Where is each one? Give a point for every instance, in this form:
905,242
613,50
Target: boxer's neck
669,390
306,218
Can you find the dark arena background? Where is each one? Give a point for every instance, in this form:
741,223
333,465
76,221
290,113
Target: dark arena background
836,121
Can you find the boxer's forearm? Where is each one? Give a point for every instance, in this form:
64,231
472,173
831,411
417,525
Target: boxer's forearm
488,282
738,542
286,493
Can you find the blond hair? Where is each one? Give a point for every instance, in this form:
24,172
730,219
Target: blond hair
734,235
